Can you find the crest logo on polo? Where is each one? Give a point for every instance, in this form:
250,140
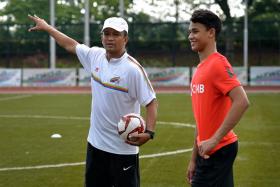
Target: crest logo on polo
115,80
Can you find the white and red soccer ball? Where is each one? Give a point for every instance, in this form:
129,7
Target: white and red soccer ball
131,124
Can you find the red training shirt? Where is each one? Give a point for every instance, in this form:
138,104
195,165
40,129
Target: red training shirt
210,85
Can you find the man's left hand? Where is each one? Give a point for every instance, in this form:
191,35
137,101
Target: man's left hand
138,139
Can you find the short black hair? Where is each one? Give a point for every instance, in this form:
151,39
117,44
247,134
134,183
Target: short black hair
125,33
207,18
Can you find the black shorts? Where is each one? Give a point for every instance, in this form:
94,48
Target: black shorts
105,169
217,170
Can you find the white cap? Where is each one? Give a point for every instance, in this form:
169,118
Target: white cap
117,23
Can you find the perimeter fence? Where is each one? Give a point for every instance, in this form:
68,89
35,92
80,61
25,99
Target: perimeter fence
163,44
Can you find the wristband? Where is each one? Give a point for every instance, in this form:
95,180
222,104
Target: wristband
151,133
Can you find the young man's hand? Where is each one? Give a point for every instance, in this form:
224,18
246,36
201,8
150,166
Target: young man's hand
190,171
205,147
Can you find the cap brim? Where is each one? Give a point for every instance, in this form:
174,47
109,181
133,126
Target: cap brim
112,27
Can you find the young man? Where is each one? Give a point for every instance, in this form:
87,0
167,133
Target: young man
218,101
119,86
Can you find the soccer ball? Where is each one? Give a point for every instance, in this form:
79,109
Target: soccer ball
131,124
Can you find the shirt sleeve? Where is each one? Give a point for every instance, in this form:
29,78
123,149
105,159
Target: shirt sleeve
88,55
140,87
225,79
82,52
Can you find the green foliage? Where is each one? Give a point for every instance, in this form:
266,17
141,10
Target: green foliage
17,10
67,14
265,10
67,11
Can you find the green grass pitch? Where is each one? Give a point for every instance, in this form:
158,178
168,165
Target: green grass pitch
28,121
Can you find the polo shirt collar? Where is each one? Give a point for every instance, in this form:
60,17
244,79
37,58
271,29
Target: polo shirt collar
116,60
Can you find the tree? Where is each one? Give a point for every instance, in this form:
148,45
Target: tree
15,39
228,23
264,31
67,11
265,10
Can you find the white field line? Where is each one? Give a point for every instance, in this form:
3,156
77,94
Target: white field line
15,97
83,163
43,166
176,124
166,153
85,118
44,117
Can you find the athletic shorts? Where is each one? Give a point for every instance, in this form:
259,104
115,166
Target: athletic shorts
217,170
105,169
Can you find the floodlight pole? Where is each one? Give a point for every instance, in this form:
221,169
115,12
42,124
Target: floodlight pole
121,7
86,24
52,41
245,42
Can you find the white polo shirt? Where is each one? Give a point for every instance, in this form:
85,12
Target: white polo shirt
119,87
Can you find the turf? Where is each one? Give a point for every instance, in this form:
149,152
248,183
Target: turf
27,123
